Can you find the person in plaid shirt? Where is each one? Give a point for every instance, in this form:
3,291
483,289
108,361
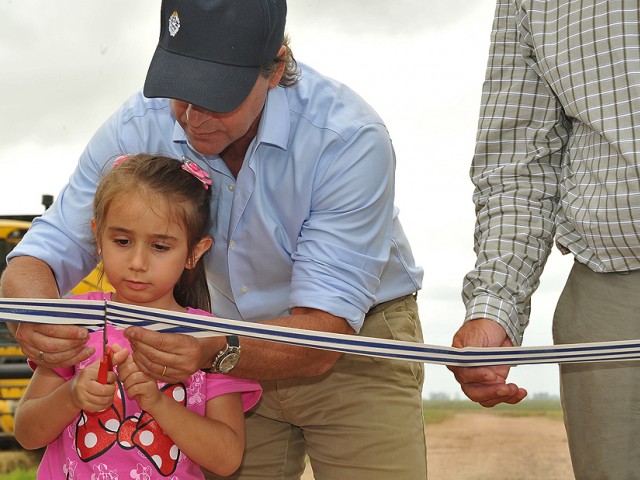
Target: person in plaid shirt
557,160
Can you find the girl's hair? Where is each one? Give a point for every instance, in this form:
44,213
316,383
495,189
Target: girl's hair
179,195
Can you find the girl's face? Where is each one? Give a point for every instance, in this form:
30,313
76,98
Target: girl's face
144,252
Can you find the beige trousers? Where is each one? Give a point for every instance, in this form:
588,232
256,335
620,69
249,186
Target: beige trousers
601,401
361,421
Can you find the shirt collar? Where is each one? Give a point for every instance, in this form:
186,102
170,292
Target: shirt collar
275,125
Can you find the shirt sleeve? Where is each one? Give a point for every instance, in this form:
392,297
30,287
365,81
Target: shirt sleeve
221,384
62,236
516,169
344,244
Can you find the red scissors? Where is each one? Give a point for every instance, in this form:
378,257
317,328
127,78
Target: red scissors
105,361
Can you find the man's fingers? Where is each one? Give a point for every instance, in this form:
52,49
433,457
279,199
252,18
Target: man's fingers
55,346
52,345
142,362
64,332
153,351
493,394
62,359
159,370
509,399
155,344
141,336
470,375
50,339
487,385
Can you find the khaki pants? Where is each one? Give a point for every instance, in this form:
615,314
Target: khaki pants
361,421
601,401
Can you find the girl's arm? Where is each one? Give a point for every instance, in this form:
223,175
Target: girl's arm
215,441
47,392
62,401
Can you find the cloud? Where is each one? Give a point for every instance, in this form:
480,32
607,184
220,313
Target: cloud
394,18
66,65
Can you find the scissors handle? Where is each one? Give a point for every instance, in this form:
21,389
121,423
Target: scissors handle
105,366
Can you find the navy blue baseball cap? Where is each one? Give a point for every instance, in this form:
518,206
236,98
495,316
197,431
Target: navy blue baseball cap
211,51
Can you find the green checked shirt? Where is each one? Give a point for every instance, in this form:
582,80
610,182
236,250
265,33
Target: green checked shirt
558,149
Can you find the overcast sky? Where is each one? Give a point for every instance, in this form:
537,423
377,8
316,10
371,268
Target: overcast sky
67,65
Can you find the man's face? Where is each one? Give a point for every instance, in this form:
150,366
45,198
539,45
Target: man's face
211,133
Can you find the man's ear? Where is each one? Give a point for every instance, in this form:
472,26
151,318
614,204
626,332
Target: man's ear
274,80
199,250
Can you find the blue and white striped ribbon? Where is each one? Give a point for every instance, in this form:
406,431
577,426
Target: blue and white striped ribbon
91,314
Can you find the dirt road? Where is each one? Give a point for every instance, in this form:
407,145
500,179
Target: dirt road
490,447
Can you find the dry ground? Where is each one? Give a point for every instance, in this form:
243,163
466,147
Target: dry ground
468,446
487,447
480,446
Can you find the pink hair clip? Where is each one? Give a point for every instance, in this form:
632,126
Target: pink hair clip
119,160
194,169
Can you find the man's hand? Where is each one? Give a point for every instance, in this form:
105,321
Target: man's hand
486,385
167,357
53,346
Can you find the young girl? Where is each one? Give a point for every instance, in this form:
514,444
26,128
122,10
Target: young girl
151,223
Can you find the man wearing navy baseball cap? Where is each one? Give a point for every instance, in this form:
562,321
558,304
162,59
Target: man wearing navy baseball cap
306,236
210,55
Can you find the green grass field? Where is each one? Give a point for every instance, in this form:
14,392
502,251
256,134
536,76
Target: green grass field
20,475
436,411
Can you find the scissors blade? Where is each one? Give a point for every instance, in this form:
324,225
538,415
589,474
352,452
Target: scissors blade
104,334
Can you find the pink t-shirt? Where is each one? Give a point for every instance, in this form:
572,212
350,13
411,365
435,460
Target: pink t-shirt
123,441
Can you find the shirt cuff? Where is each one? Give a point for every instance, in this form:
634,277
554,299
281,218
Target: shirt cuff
496,309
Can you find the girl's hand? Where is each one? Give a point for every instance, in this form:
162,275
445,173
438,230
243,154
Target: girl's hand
140,387
90,395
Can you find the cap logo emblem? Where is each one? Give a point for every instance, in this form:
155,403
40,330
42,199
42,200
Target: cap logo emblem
174,24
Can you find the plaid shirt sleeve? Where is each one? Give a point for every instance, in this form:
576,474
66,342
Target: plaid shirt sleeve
522,133
557,150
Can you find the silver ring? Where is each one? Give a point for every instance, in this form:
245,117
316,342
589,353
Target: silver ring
41,356
164,370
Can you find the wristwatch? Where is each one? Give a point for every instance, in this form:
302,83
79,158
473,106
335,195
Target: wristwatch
228,357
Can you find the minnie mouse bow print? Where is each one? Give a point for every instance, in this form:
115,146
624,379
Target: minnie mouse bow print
97,433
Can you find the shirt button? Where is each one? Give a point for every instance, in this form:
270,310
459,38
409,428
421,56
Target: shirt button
231,187
232,245
244,289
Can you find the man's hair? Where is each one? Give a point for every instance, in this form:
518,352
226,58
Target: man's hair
291,74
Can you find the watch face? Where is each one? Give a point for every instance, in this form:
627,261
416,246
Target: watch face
228,362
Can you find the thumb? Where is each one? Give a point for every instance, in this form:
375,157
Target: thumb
119,355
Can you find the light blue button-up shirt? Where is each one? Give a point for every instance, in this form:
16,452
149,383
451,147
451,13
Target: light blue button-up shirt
308,222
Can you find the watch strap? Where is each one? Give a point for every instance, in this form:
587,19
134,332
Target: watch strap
233,344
